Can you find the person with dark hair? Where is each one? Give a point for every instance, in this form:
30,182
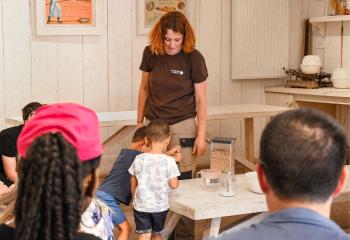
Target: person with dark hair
115,188
153,174
60,150
8,145
301,170
173,86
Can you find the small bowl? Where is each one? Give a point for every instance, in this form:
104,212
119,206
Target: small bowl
341,78
311,60
341,73
253,183
311,69
341,83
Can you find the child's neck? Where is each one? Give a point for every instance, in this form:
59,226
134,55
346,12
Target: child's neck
134,146
158,148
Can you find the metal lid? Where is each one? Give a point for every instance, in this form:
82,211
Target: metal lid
223,140
229,171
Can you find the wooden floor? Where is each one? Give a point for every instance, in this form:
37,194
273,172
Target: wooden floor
340,213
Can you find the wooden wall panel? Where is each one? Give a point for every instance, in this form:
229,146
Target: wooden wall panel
297,28
95,57
315,9
44,70
70,69
120,54
17,55
230,91
332,50
44,65
139,42
346,45
210,47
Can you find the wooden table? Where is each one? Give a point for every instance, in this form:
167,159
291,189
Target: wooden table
127,121
192,201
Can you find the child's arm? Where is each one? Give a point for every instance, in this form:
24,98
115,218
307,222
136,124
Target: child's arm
173,182
175,152
133,184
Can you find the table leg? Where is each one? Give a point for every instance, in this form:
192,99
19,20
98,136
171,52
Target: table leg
249,138
169,228
213,231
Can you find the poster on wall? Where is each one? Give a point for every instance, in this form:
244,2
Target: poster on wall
150,11
68,17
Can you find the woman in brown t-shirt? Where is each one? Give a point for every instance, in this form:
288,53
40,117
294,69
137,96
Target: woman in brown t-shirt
173,85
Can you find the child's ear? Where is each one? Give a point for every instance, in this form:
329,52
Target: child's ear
147,142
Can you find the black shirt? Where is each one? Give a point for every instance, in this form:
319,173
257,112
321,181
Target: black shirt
8,233
8,148
117,183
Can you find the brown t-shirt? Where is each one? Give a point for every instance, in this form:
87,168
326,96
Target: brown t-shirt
171,84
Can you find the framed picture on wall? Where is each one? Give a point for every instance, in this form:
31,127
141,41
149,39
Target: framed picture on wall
68,17
150,11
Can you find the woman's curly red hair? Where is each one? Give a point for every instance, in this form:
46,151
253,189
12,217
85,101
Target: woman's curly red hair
177,22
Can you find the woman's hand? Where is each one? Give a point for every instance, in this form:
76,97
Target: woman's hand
199,146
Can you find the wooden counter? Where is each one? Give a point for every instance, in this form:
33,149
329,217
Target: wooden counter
321,95
333,101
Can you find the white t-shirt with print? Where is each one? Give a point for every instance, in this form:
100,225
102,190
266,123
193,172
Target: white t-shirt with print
153,172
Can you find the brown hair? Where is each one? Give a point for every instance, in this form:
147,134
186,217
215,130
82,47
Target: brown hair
139,134
157,130
28,109
177,22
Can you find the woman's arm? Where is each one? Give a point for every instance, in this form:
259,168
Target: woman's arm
201,103
143,95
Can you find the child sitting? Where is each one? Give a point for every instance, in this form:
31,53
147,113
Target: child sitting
152,175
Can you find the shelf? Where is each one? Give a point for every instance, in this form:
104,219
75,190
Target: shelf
319,22
324,19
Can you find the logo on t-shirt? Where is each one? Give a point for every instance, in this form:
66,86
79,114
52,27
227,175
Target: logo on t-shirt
178,72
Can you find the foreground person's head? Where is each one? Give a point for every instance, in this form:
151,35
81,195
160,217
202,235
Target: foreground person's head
302,158
60,150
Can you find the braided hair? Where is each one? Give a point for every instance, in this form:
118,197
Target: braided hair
50,192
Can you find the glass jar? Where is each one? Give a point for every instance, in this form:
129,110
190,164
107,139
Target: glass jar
221,156
228,186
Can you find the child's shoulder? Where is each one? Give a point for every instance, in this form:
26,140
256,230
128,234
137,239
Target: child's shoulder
127,153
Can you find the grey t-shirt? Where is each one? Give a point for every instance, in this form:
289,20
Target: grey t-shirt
290,224
117,183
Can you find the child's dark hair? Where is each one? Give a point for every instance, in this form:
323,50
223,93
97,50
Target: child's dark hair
139,134
157,130
50,191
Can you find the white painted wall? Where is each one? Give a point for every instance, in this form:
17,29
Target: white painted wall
101,72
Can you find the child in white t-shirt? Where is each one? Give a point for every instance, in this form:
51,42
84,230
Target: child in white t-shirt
153,174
